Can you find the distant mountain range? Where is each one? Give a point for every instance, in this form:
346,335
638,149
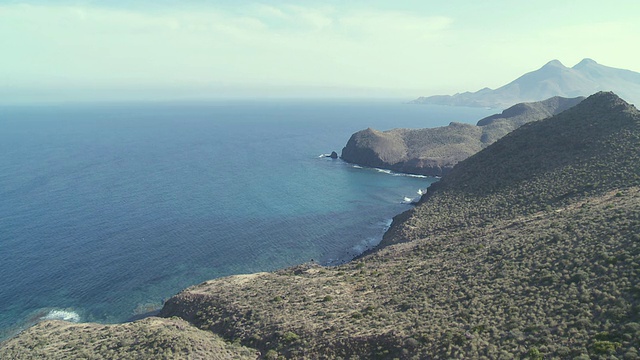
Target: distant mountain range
553,79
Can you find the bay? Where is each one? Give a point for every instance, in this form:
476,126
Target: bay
106,210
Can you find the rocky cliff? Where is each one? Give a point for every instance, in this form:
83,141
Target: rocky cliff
435,151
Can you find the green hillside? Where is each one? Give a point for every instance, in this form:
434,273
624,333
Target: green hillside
529,249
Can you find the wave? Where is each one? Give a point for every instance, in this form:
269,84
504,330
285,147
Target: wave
412,175
365,245
66,315
408,200
324,155
372,242
393,173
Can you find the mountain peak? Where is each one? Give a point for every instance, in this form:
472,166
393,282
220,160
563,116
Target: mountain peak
552,79
606,101
585,62
606,97
554,63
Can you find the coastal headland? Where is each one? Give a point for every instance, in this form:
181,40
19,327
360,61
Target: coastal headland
435,151
528,248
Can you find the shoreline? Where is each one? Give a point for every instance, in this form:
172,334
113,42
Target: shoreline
346,258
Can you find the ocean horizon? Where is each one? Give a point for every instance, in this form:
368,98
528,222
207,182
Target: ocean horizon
109,209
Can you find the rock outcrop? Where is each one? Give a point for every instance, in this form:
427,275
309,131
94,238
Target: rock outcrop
434,152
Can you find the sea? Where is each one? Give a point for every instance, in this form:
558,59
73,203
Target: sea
109,209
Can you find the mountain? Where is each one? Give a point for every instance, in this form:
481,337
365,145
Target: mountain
434,151
528,249
553,79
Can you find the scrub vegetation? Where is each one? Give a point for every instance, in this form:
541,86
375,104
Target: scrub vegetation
529,249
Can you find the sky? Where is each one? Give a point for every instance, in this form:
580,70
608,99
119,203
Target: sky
163,49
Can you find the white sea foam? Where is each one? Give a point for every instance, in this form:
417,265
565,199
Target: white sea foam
373,241
410,175
324,155
367,244
415,176
66,315
392,173
408,200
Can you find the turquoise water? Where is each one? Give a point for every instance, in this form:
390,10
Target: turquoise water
107,210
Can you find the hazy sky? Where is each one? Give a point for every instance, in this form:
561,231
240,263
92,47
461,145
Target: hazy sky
170,48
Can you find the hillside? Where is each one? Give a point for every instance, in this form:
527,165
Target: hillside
151,338
528,249
553,79
434,151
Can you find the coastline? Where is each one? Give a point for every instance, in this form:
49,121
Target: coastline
348,256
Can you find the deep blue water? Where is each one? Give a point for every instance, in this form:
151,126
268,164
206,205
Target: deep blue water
106,210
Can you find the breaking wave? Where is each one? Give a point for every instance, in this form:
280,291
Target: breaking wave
66,315
393,173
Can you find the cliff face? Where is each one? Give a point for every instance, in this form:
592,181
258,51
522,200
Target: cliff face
435,151
426,151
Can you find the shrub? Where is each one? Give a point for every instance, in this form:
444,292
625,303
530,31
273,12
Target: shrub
605,347
290,337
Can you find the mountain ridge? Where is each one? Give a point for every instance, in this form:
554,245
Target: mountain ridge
552,79
434,151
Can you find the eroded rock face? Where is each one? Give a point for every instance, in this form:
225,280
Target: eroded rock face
375,148
431,152
435,151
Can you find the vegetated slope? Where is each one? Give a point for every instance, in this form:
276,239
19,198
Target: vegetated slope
151,338
496,126
528,249
590,148
435,151
553,79
560,283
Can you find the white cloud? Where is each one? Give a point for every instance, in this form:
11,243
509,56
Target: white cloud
265,43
